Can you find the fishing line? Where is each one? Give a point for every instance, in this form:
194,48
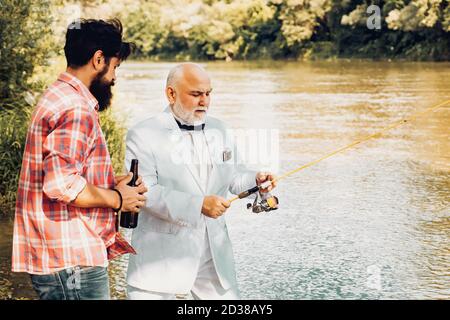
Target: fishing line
342,149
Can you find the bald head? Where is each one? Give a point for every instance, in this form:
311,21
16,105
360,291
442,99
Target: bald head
185,71
188,90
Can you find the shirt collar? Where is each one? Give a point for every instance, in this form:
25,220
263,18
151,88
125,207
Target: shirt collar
187,127
80,87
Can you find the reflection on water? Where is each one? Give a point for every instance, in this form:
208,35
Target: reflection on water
371,223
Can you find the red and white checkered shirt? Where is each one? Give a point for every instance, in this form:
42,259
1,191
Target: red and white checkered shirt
65,149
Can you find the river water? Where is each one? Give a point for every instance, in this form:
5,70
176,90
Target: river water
370,223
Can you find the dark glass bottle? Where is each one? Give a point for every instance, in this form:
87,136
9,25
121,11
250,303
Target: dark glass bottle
130,219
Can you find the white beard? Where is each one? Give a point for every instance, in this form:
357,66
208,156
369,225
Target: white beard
188,117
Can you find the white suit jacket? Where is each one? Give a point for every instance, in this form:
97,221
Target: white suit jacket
170,234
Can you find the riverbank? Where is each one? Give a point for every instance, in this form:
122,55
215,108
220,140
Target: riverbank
434,50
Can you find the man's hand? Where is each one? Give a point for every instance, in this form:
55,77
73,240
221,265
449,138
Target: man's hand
117,179
132,197
214,206
266,179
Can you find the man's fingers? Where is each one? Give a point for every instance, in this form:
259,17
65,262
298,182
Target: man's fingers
139,180
126,179
220,212
264,175
140,203
266,184
141,188
140,197
136,206
262,179
226,203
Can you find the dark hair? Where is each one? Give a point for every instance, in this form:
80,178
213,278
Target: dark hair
85,36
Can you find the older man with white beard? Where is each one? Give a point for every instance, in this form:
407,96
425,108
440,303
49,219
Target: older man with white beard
189,163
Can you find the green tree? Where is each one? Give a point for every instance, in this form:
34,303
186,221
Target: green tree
25,43
226,29
415,29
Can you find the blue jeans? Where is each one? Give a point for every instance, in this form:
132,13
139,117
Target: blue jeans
77,283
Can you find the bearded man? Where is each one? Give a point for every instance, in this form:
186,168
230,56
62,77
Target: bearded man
190,162
65,227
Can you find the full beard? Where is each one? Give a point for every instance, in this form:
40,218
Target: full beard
101,90
189,117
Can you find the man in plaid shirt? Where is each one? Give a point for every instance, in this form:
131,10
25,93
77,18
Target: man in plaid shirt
65,227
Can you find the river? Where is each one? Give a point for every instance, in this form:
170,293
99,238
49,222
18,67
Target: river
370,223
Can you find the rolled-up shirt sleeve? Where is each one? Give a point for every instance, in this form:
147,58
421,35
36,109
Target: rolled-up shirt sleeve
65,150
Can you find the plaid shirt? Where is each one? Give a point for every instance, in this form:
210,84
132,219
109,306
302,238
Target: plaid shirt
65,149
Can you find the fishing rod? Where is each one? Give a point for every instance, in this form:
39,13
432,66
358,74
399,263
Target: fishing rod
269,203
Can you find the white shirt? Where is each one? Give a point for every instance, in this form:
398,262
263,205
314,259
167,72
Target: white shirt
200,154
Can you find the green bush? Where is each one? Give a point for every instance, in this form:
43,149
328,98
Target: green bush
13,126
114,130
25,42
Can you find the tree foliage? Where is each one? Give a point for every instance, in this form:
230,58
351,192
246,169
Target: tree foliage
25,42
186,29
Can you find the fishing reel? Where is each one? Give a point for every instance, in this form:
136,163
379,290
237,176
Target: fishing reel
267,203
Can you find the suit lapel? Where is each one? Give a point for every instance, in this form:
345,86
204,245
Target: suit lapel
171,125
213,147
194,172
